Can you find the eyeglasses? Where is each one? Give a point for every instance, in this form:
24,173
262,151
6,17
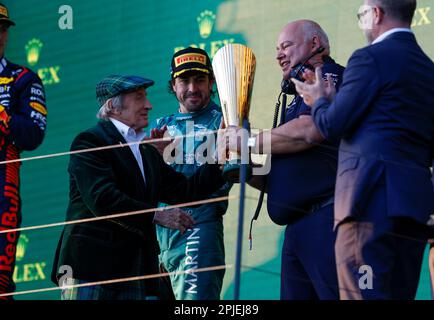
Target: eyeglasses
360,15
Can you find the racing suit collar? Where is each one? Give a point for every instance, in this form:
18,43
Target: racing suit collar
186,116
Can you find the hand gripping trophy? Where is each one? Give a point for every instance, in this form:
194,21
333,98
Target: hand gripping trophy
234,70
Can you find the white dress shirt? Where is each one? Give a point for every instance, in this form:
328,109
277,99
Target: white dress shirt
130,135
388,33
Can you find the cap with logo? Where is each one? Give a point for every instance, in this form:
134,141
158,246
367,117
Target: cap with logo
190,59
4,15
114,85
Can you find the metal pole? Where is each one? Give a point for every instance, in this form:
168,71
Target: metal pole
243,174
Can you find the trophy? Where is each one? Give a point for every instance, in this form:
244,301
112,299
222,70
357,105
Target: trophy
234,70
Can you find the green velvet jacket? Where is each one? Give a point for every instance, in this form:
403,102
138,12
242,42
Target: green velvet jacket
107,182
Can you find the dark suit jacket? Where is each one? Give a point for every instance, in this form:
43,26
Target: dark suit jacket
384,113
109,182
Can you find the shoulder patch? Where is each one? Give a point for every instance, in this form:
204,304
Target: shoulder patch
6,80
38,107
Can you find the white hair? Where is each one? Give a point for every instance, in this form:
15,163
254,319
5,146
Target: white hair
108,108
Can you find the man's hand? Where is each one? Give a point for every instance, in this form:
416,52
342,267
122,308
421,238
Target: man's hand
228,140
160,134
315,87
330,88
233,140
174,219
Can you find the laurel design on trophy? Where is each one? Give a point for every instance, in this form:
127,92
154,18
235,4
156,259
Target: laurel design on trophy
234,68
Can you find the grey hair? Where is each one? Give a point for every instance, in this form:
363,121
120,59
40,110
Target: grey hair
108,108
311,29
401,10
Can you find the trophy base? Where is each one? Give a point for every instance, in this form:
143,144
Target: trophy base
231,172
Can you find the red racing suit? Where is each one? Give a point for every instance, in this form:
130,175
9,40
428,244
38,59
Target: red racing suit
22,127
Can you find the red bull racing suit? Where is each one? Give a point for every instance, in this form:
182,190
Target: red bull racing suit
22,126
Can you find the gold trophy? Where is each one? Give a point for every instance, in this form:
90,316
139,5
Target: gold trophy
234,70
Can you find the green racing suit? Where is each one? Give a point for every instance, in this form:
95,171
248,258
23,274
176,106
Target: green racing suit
202,246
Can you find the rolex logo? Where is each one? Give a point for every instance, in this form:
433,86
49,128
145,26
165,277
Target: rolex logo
48,75
206,22
33,49
21,247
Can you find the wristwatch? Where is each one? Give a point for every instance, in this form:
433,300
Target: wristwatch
251,142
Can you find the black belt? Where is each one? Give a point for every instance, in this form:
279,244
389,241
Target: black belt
322,204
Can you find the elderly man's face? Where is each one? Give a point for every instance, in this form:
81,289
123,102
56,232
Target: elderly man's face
291,48
193,90
135,109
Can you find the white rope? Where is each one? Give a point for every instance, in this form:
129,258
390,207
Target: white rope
120,145
53,155
167,139
119,280
120,215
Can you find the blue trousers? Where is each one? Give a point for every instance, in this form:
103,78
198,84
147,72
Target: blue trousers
308,269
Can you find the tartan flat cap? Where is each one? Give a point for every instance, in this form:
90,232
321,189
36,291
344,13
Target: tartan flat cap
114,85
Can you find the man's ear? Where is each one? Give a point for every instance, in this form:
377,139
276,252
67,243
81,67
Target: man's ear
316,43
379,15
113,110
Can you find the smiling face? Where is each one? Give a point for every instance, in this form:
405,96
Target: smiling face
291,48
193,91
135,109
